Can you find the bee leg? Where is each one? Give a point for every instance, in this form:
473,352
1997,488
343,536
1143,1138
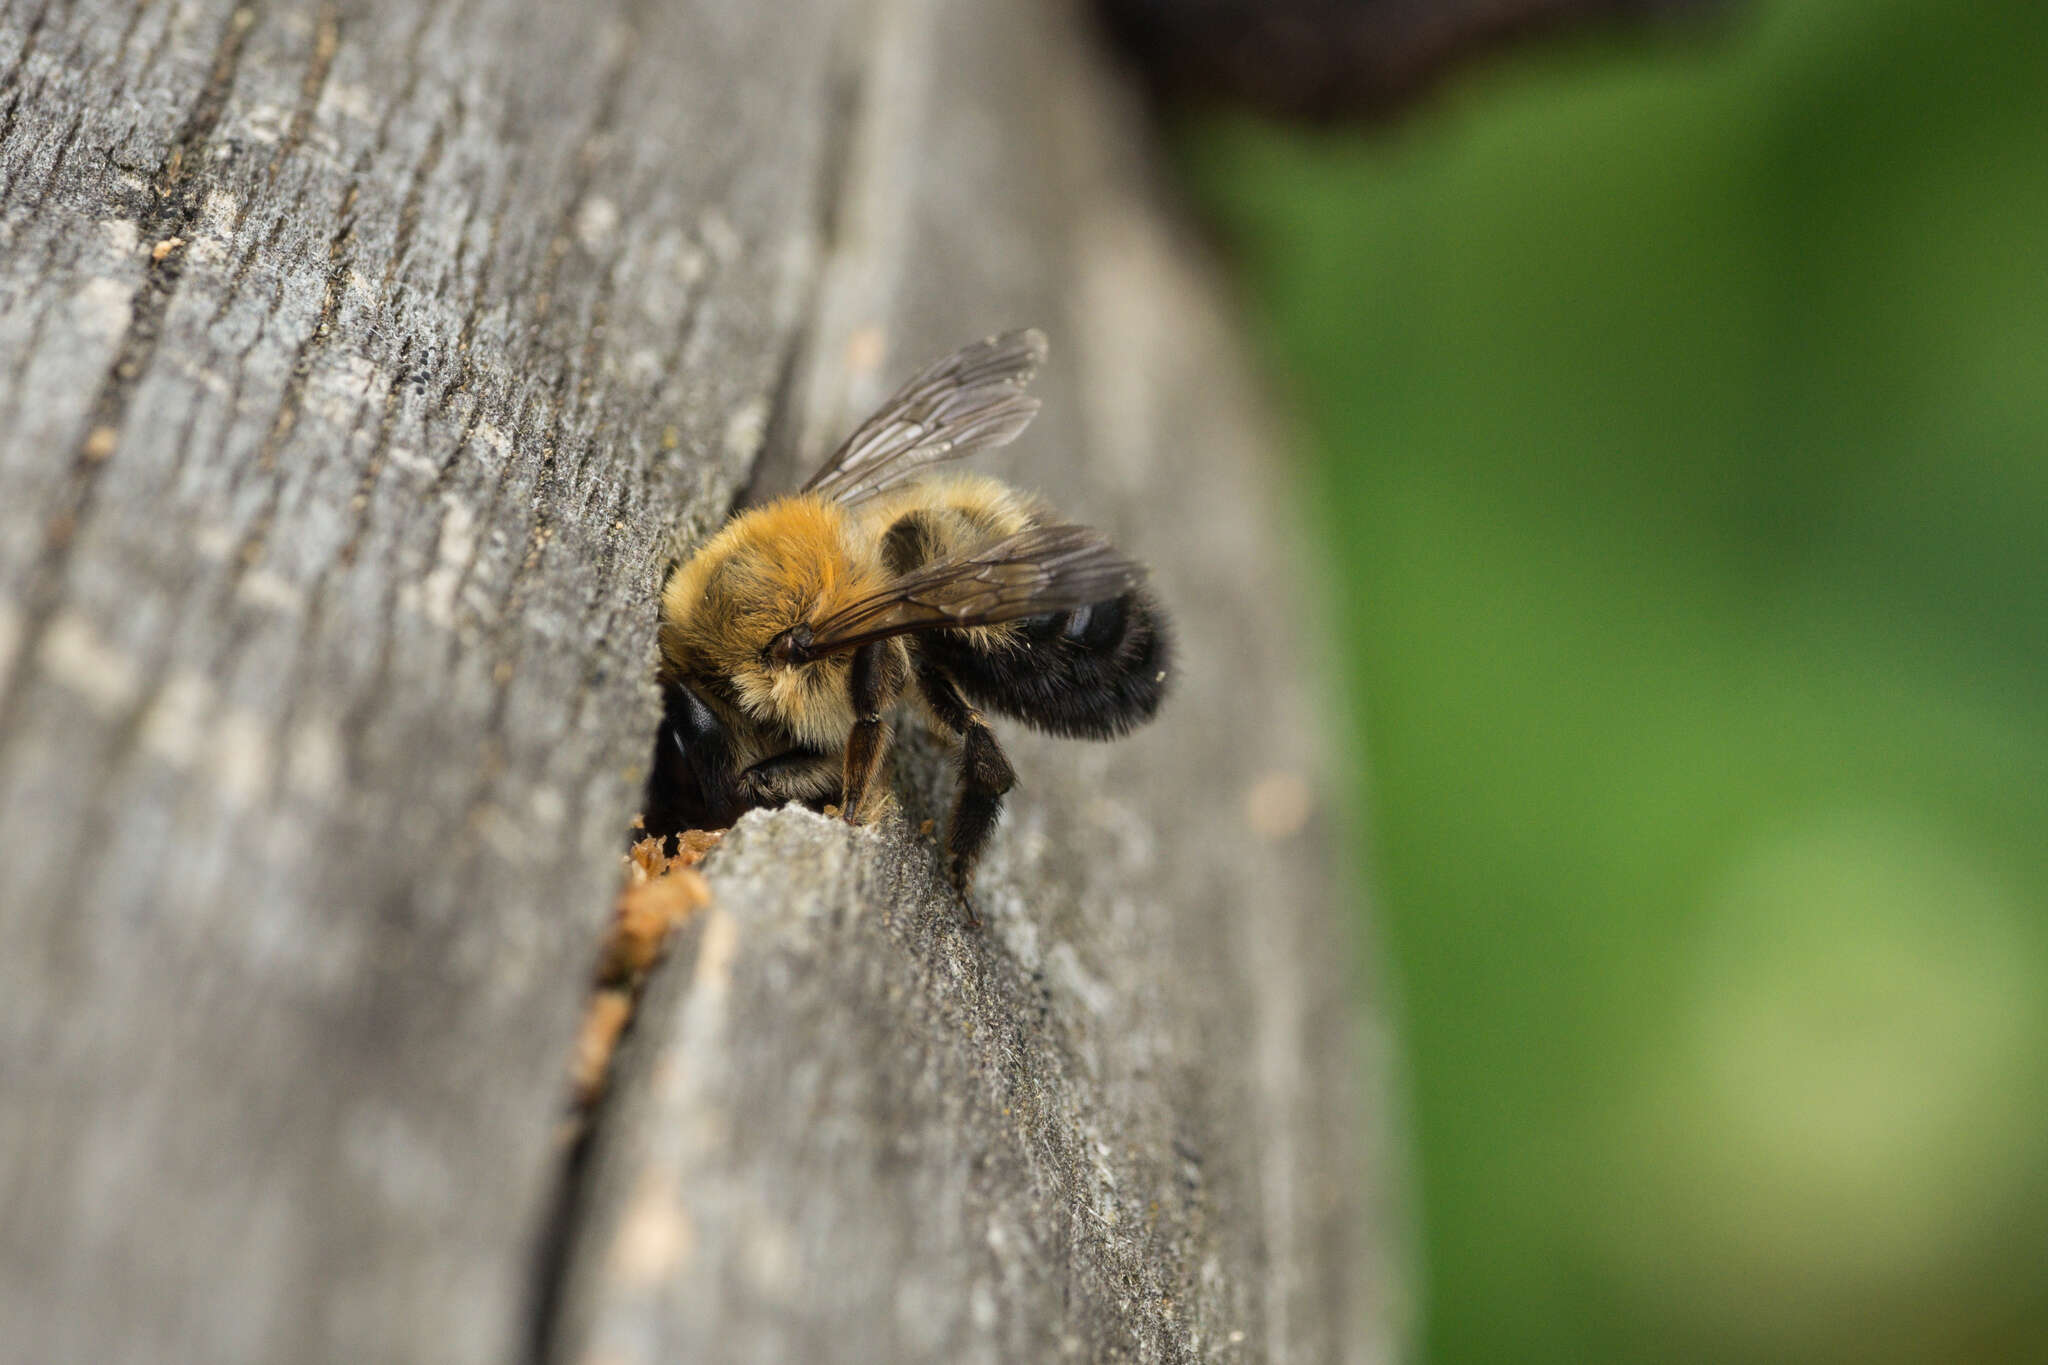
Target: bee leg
985,775
865,748
800,774
876,677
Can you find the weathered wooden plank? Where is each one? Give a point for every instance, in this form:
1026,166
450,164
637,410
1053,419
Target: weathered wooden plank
354,360
1116,1123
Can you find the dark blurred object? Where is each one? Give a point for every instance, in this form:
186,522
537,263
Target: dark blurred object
1332,59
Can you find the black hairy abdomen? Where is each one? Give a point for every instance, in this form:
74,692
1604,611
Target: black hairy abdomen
1091,673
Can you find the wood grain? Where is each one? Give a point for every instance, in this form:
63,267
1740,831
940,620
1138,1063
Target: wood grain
359,364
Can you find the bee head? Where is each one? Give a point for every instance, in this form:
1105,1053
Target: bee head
744,609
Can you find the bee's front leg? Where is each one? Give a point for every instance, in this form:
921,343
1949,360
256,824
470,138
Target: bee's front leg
800,774
877,676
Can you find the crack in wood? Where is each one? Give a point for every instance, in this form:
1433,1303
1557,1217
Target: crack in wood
586,378
774,462
7,131
439,485
326,42
128,31
166,34
265,248
464,366
213,98
363,500
638,941
409,211
546,1344
57,160
548,481
291,401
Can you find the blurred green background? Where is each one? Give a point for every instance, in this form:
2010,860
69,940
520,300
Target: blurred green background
1678,415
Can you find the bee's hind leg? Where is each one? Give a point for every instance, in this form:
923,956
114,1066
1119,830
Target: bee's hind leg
985,776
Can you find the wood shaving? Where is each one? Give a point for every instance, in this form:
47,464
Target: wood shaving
604,1019
662,891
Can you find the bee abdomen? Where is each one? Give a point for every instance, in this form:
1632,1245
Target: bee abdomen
1094,672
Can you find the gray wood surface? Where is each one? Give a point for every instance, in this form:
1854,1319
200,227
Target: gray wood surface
358,362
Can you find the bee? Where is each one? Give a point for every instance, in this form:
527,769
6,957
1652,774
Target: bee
787,639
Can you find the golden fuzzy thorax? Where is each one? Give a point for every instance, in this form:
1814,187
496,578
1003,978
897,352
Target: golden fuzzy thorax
960,511
794,560
972,509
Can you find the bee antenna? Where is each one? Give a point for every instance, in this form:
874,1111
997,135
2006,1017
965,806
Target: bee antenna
793,646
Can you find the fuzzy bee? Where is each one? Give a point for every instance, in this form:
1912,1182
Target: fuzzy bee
788,637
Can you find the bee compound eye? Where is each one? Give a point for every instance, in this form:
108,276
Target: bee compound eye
696,712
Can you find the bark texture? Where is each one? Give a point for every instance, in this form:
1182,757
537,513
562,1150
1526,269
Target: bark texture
359,365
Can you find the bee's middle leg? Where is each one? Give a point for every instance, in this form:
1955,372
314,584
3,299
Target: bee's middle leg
877,676
985,774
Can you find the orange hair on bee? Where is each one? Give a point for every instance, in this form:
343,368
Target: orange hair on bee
797,559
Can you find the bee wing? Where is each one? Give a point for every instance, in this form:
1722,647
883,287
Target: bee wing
1051,567
971,400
